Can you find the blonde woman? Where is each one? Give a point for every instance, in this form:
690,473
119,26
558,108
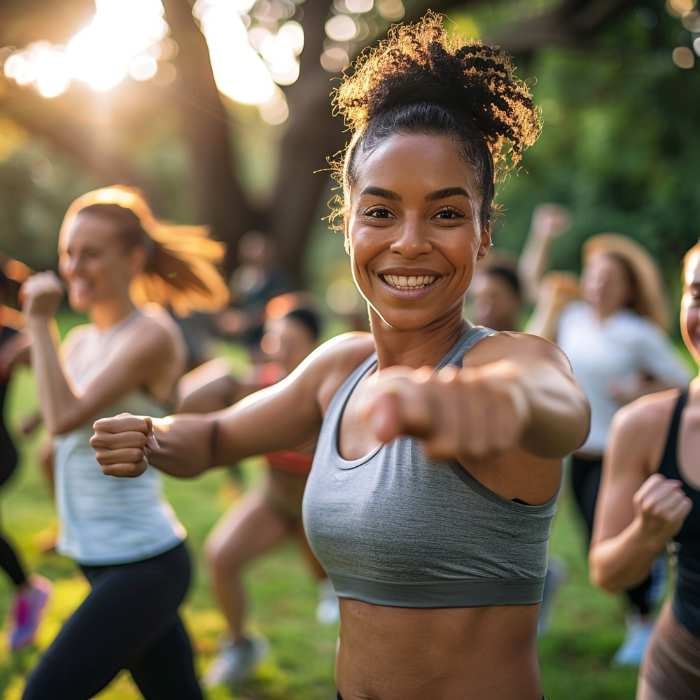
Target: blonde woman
115,257
614,334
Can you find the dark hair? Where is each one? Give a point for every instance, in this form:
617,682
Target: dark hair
507,275
422,80
307,317
299,307
181,261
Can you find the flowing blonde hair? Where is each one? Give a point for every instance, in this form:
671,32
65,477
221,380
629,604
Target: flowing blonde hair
181,261
649,298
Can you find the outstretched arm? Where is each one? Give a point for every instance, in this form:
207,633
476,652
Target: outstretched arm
280,417
516,392
638,511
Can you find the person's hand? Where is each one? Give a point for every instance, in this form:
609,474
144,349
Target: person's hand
469,414
550,221
121,444
41,295
660,507
557,290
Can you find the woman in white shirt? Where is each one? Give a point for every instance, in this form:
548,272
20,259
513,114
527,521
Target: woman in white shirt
614,333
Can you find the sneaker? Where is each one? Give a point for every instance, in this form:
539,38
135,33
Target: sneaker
236,662
27,612
639,631
555,577
328,608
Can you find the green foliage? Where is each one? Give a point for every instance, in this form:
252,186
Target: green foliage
620,142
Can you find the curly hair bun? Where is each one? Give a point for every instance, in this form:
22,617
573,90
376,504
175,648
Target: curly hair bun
421,62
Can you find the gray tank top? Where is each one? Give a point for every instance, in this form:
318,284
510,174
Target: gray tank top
394,528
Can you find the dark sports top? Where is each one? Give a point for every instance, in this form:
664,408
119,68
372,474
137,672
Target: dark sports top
686,596
395,528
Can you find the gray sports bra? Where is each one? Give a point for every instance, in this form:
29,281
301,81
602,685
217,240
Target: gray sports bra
394,528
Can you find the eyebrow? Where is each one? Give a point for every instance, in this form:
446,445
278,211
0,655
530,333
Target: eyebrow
438,194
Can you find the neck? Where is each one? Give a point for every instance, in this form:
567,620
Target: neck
694,391
417,347
107,314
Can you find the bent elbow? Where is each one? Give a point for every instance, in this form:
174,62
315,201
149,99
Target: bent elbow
600,576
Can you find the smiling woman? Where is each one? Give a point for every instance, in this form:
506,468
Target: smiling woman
115,256
438,442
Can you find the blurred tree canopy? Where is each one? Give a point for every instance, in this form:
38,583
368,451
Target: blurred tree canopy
618,147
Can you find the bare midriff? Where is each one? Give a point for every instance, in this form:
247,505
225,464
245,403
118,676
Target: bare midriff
481,653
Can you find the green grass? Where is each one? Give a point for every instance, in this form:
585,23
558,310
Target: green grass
587,625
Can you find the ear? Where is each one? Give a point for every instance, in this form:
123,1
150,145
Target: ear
346,235
484,242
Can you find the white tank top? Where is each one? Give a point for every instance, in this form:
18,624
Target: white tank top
104,519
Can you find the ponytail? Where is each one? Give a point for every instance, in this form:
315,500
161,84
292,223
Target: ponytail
181,269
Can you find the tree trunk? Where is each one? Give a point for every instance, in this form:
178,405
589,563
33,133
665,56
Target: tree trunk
218,194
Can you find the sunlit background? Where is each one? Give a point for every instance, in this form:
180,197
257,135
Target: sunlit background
254,48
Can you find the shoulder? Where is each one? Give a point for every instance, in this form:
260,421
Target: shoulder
646,419
512,345
331,364
348,349
156,332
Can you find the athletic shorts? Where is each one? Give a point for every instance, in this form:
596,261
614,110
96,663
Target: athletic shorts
284,492
671,668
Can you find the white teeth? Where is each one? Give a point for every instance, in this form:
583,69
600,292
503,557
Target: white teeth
409,282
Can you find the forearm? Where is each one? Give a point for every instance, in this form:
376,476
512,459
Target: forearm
189,444
57,401
558,411
533,263
623,561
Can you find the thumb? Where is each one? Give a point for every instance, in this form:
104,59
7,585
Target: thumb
151,440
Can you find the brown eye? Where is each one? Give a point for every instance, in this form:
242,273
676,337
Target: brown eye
449,214
377,213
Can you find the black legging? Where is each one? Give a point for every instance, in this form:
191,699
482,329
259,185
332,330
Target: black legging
129,621
9,560
585,483
10,563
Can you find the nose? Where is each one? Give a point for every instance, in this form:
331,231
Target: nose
411,241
